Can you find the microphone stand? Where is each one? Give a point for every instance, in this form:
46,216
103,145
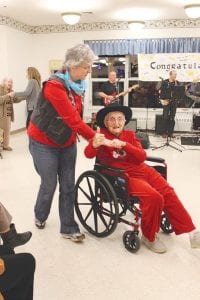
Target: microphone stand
117,87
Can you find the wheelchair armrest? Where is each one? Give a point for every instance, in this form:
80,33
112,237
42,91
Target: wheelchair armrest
116,170
155,159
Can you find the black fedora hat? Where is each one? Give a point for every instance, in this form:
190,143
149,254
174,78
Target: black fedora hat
110,108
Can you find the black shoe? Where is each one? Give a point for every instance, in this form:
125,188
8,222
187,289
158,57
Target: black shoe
13,239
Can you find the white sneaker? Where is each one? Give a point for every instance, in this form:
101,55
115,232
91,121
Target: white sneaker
195,239
75,237
156,246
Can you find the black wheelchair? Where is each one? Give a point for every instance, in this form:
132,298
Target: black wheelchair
102,201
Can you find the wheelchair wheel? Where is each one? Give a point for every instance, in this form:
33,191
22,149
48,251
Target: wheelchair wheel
96,204
131,241
165,225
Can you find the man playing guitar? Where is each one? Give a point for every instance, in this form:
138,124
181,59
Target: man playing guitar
109,90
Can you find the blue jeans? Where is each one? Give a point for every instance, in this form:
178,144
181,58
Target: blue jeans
55,165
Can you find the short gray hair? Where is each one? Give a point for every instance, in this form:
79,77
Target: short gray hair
78,55
6,79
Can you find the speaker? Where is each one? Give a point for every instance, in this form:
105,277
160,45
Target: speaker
132,125
159,124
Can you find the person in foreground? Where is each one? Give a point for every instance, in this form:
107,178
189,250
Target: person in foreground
52,130
120,148
8,231
16,270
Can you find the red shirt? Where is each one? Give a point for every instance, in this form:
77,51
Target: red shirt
58,96
130,158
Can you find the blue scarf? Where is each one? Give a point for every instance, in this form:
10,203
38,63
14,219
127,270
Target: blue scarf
78,86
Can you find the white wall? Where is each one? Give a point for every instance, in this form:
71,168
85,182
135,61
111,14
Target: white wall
20,50
3,53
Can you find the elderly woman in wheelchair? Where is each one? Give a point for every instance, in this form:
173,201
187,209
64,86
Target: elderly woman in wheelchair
125,177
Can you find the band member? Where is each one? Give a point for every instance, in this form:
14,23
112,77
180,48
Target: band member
169,103
110,89
193,92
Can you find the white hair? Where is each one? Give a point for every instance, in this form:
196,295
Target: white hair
6,79
78,55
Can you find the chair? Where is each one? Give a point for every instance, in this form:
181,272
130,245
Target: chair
102,201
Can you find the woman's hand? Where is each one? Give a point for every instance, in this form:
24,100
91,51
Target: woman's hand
11,94
118,144
1,297
2,266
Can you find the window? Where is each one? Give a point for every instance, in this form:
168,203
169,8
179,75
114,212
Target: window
126,67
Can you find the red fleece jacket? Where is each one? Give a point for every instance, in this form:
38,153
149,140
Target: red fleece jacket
130,158
58,96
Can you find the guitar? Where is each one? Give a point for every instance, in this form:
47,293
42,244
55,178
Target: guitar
116,97
165,102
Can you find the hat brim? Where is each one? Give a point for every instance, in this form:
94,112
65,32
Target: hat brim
104,111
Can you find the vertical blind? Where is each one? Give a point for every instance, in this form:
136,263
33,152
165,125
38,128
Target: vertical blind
148,46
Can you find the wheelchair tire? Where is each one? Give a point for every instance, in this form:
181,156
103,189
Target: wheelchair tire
131,241
96,204
165,224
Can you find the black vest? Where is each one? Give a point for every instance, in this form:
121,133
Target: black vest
48,121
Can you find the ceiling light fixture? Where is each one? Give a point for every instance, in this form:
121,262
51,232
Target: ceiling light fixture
136,25
192,10
71,18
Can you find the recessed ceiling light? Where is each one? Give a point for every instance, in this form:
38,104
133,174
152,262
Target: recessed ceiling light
136,25
192,10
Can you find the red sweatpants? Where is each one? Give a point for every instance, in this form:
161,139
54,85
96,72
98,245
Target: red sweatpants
156,196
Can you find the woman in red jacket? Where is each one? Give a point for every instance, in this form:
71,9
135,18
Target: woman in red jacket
52,131
120,148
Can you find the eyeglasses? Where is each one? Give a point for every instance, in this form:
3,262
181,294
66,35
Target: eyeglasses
85,67
116,120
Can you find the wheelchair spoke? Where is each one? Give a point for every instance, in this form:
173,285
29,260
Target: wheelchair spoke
103,220
88,214
95,220
86,195
90,188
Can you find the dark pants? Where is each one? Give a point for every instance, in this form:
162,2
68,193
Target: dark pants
16,283
169,112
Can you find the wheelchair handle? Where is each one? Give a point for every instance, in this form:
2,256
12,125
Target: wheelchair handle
155,159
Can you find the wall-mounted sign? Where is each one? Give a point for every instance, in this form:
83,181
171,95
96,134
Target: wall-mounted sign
153,67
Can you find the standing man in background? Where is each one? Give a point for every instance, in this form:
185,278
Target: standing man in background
169,103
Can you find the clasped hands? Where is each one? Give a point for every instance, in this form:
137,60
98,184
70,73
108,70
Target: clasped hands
100,140
11,94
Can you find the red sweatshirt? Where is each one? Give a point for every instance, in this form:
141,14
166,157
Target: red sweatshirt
130,158
57,95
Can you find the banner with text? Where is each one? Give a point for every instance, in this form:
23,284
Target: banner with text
154,67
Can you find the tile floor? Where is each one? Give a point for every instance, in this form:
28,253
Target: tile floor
102,268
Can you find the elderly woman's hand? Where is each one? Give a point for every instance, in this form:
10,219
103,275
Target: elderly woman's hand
118,144
11,94
98,139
